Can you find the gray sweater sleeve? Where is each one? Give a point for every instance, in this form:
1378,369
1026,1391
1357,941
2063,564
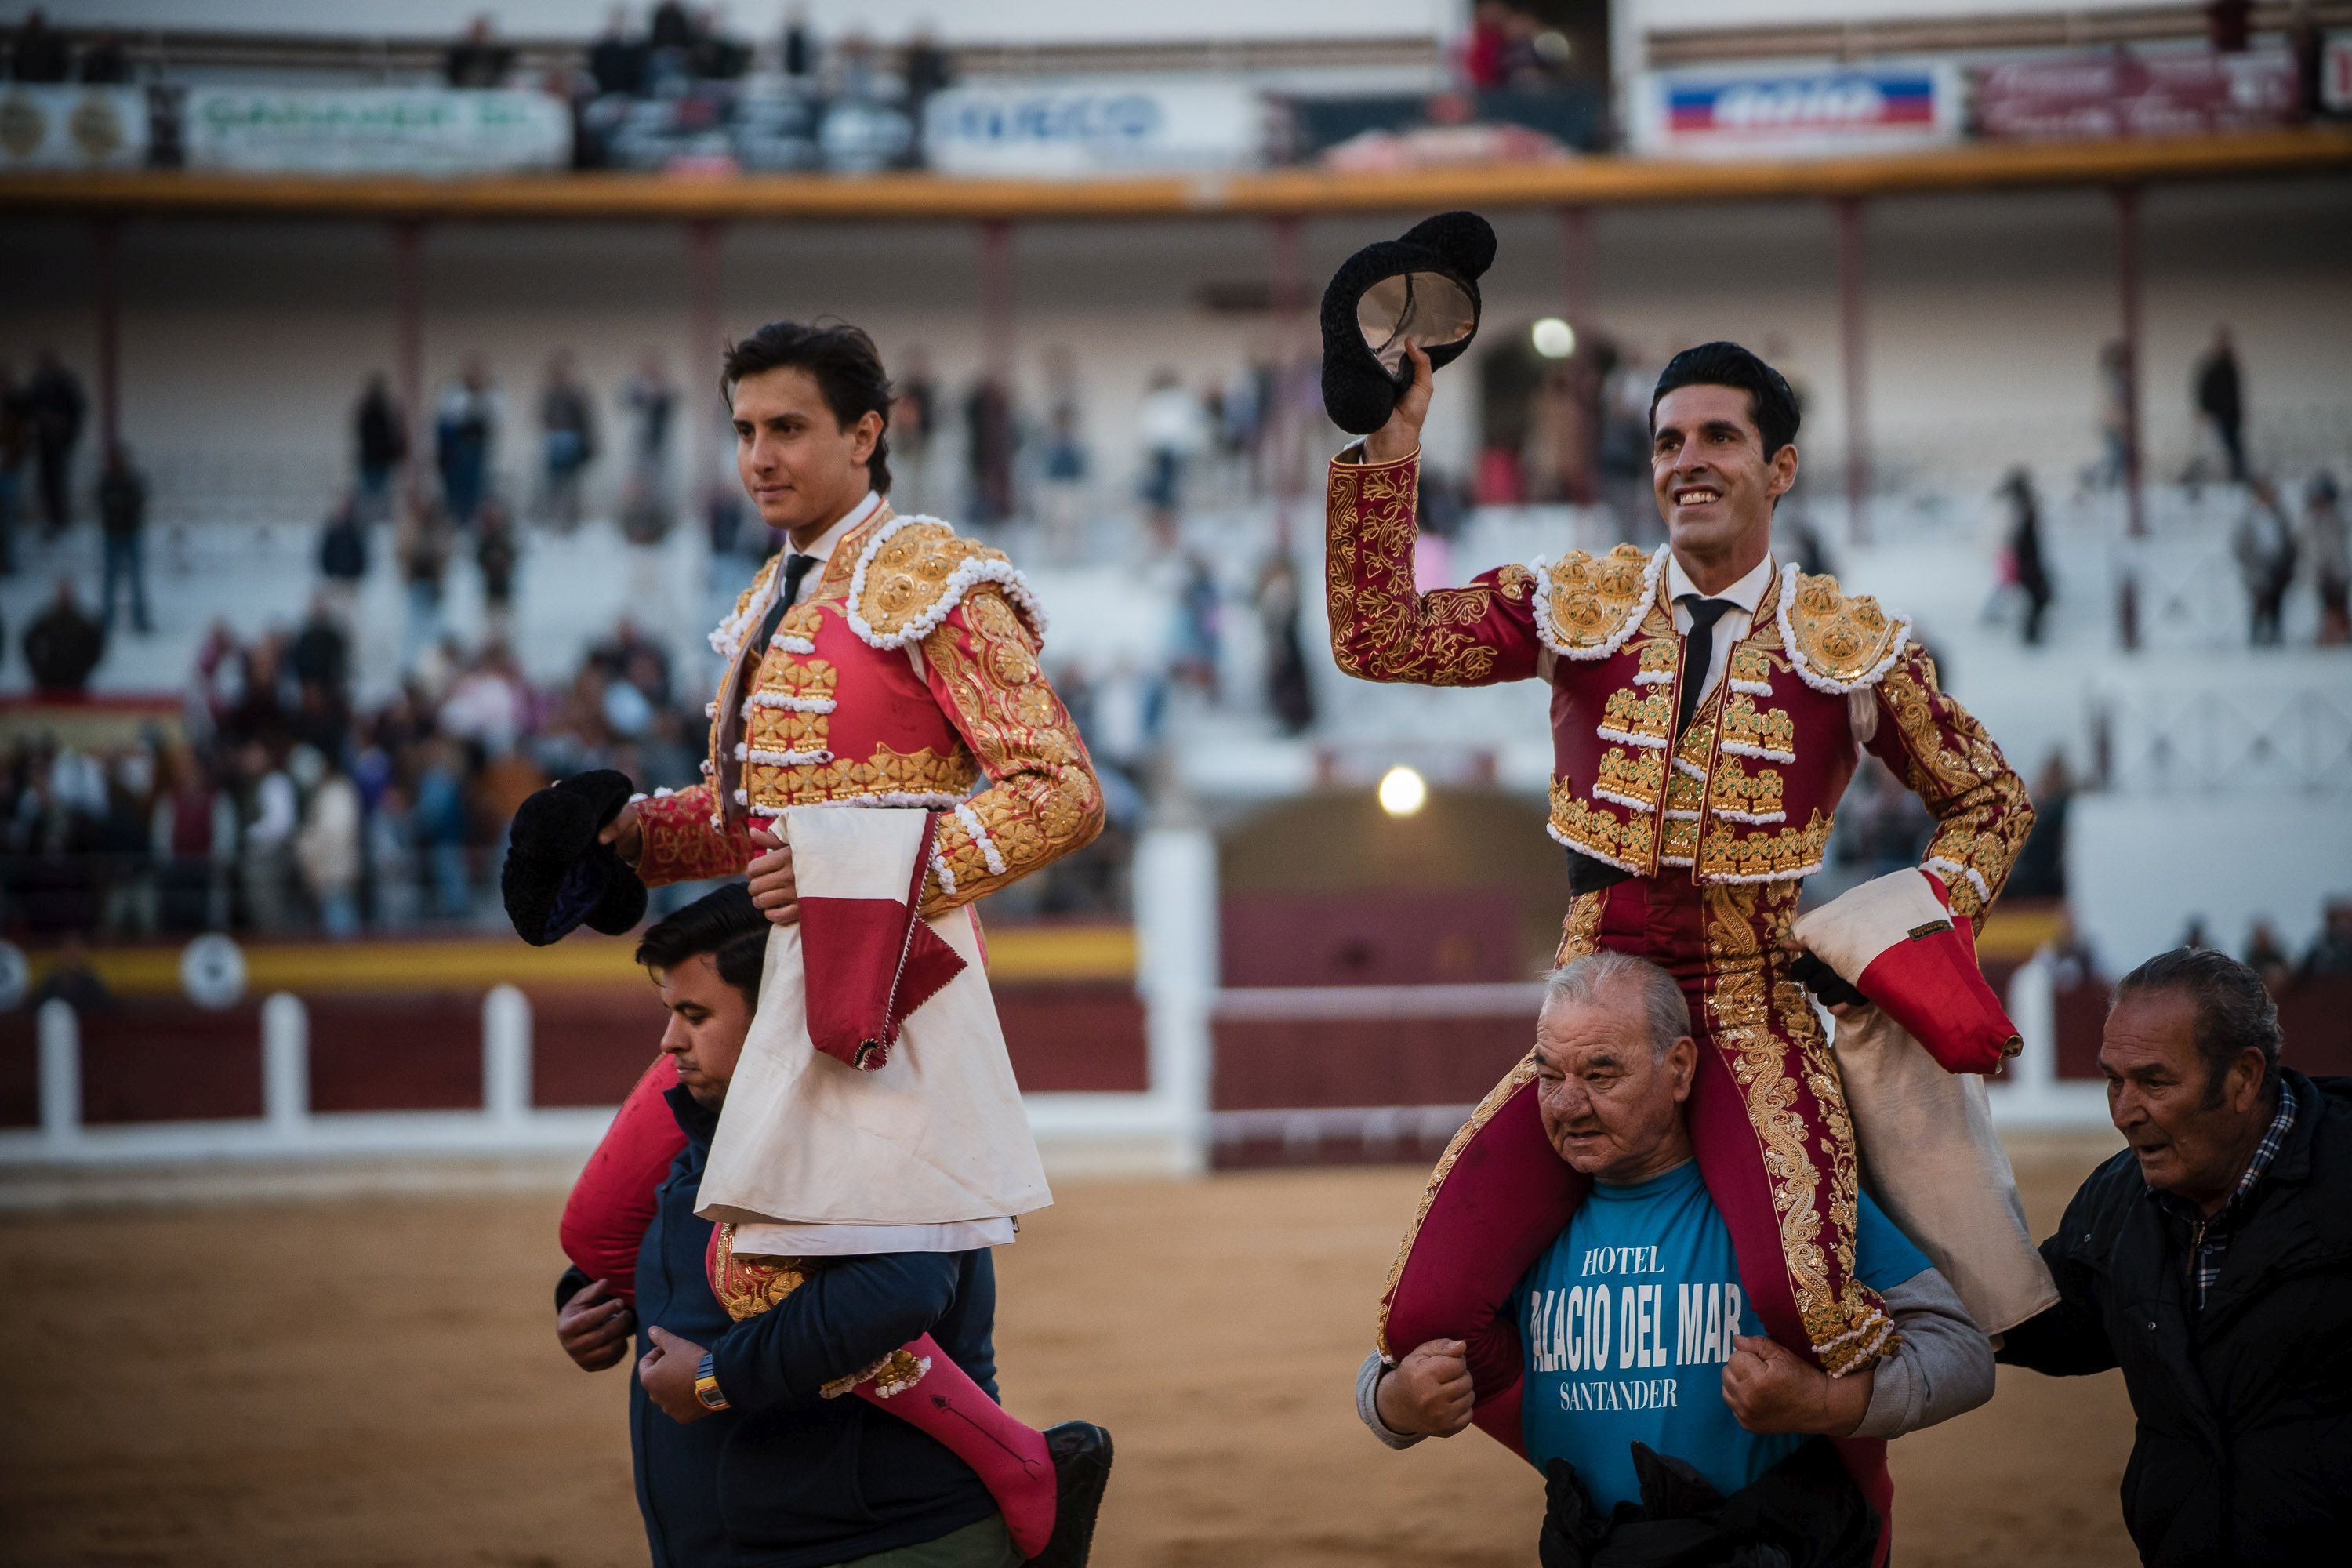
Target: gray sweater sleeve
1368,1383
1942,1369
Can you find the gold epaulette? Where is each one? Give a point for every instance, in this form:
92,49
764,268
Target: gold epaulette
1839,642
915,570
1587,605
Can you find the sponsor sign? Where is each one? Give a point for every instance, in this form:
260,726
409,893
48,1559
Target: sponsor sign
73,128
1745,111
2108,95
349,131
1081,127
2335,74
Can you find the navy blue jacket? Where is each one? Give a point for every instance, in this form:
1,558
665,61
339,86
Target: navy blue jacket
787,1478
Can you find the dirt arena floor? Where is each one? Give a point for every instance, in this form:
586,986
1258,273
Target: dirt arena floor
374,1380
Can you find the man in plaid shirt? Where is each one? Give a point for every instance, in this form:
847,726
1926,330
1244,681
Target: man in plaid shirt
2212,1261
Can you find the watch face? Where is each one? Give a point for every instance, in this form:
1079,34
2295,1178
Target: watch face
710,1397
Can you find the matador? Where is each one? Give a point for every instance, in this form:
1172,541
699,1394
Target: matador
1708,707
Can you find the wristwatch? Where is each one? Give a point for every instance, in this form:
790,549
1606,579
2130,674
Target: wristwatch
706,1385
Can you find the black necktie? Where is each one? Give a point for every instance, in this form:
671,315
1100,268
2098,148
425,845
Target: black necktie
795,568
1704,613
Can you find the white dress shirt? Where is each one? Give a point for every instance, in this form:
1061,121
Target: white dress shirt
1746,594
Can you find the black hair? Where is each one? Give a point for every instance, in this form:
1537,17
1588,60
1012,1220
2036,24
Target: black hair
842,362
2234,1010
724,924
1770,402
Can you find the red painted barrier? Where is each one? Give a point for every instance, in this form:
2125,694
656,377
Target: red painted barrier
170,1061
415,1052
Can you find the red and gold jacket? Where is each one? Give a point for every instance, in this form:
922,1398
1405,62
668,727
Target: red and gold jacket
909,673
1749,794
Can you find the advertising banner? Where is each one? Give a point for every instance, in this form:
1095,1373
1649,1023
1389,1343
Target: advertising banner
72,129
2108,95
1772,111
375,130
1080,126
2335,74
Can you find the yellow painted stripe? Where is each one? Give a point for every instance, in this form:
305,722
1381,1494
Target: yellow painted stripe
2019,933
1014,954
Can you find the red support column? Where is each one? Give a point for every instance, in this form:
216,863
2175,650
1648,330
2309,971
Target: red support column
1287,297
408,330
1576,265
997,289
703,334
106,231
2128,292
1852,355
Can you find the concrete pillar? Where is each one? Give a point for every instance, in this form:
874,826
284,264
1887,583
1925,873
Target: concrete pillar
1176,930
1854,355
2030,1078
506,1055
286,1064
59,1036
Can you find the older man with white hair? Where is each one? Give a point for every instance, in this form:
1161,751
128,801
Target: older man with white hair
1645,1368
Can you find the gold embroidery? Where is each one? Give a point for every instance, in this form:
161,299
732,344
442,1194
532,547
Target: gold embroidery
1381,628
748,1286
1647,712
1579,932
1732,787
892,1375
1592,599
887,772
1657,657
1637,775
914,569
1751,662
1842,637
1043,800
1597,830
1983,815
1770,731
1756,853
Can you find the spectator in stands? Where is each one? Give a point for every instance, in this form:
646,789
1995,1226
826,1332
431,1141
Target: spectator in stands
465,440
651,399
2114,418
122,523
616,60
671,28
2022,548
104,62
714,56
2266,955
422,545
990,452
343,557
2264,544
39,55
381,441
14,441
928,68
1484,47
272,812
2221,401
1289,692
2331,951
327,845
2325,536
495,555
478,60
64,644
1169,426
189,829
850,75
320,653
2213,1262
914,420
801,50
567,423
441,828
53,407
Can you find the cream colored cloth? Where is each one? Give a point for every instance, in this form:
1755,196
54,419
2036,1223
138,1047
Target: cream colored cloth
1931,1160
931,1147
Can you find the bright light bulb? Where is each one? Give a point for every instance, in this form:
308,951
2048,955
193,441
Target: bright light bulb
1554,339
1402,792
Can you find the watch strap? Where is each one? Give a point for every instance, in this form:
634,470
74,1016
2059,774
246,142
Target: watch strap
706,1385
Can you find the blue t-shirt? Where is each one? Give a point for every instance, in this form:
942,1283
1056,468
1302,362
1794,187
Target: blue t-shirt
1627,1320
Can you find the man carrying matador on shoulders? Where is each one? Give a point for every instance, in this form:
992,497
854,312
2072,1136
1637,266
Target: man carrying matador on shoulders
1708,707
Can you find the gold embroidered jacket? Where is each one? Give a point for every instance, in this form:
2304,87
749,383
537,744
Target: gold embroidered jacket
908,674
1749,792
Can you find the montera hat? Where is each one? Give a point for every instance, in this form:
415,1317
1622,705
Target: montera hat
1420,289
557,875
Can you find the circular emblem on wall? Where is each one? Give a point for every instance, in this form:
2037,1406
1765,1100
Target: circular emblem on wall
16,977
212,971
23,126
95,127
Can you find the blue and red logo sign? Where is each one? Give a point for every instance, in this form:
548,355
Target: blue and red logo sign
1807,103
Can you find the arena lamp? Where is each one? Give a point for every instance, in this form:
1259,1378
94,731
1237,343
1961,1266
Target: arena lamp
1554,339
1402,792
